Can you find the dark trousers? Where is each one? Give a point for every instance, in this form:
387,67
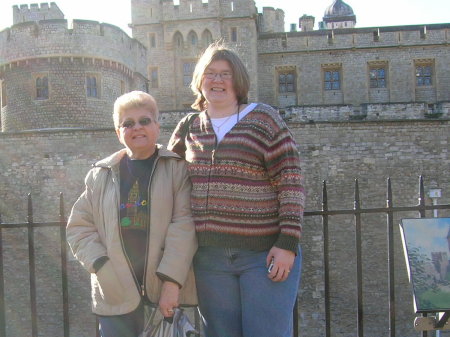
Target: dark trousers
128,325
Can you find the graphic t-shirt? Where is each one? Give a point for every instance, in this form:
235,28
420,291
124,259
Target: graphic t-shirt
134,209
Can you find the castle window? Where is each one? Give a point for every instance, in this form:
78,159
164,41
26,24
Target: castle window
376,35
92,89
152,40
41,87
178,40
192,38
154,83
233,34
207,38
424,74
332,79
377,77
3,93
188,70
286,82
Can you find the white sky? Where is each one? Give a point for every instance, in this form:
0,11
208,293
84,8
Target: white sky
368,13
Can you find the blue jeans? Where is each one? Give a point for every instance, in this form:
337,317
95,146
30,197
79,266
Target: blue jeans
128,325
237,299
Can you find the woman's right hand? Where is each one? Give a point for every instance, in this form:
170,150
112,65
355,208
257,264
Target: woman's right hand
168,300
283,260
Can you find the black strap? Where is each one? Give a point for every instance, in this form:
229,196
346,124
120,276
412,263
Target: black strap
185,127
185,130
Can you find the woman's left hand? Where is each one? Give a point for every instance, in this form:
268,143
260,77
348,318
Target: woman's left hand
283,260
168,300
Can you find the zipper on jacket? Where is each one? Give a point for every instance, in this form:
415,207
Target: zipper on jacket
149,198
138,286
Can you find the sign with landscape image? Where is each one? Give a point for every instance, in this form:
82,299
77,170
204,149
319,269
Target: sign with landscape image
426,243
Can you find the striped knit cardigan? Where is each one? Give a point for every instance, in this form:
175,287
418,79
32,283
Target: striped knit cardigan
248,189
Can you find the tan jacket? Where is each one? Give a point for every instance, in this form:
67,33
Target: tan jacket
93,231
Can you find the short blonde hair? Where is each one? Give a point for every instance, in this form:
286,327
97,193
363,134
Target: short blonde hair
133,100
215,52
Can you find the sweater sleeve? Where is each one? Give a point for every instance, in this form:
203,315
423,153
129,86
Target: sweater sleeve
282,162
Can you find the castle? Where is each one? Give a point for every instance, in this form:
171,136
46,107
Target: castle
366,103
47,66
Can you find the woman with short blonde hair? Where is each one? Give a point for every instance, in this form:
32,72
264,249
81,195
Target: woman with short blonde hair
132,228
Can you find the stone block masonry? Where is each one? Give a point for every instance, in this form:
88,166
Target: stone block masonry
46,163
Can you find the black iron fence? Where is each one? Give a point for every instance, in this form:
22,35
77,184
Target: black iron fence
325,213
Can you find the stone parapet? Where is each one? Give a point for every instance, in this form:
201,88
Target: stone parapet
156,11
355,38
54,38
369,112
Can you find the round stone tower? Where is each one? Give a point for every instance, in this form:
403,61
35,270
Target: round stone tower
55,76
339,15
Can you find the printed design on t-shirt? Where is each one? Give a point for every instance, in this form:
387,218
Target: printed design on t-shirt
135,210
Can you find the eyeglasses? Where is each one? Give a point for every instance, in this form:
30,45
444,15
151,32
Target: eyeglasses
129,123
223,76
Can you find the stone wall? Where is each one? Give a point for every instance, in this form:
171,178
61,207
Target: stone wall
67,105
353,52
156,11
85,38
66,56
46,163
372,112
36,12
169,59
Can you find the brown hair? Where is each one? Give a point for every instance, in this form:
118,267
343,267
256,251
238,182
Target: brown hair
215,52
132,100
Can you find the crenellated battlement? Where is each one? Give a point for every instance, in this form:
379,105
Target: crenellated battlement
36,12
271,20
354,38
83,38
156,11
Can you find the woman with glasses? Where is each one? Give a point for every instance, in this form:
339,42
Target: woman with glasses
131,228
247,203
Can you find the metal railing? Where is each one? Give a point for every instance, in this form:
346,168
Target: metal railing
30,225
325,213
357,211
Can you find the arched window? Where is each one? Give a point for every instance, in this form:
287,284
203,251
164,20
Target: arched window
192,38
178,40
207,38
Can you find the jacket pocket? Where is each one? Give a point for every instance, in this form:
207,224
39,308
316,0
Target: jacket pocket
108,285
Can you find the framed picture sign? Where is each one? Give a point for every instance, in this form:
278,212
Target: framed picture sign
426,243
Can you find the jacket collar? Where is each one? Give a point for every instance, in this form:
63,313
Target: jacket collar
114,159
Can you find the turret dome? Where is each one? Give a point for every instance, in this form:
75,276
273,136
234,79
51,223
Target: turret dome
338,9
339,15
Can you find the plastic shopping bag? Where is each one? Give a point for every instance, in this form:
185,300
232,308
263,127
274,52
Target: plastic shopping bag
177,326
